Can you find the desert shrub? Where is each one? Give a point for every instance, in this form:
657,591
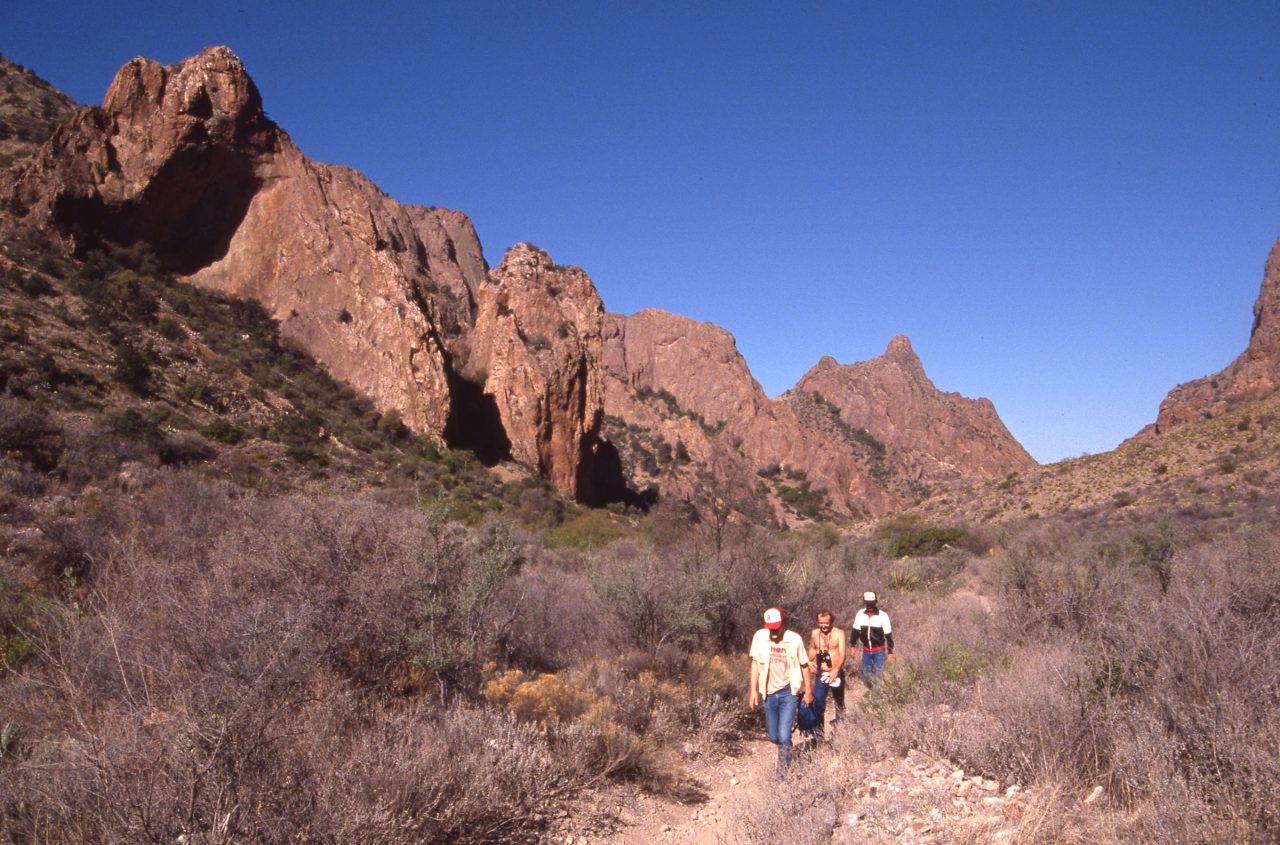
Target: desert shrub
114,297
184,448
35,285
927,572
30,375
588,529
131,367
558,619
200,639
29,433
223,431
909,536
809,503
171,330
658,599
1092,689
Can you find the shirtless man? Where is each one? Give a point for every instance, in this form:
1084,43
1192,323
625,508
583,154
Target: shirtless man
827,652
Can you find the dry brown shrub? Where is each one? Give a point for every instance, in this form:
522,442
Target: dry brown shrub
1153,677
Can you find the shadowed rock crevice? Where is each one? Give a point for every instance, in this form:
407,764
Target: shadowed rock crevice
602,477
474,422
188,212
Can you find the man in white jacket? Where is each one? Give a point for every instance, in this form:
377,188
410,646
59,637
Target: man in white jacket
779,671
873,631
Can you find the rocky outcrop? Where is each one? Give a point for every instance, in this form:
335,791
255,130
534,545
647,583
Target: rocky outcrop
697,363
384,295
930,437
691,420
1254,375
536,348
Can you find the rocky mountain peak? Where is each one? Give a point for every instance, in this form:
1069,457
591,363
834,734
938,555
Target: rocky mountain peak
900,346
900,352
517,362
935,437
1264,337
203,98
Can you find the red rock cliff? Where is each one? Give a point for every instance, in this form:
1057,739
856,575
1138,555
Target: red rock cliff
384,295
1255,374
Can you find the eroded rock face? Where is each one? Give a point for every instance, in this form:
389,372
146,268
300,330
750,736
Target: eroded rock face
931,437
536,348
1254,375
681,388
697,363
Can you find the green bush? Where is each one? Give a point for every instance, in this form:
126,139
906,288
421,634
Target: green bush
223,432
909,536
132,368
35,286
171,329
589,529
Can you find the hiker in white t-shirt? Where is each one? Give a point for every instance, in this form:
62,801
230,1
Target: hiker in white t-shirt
779,671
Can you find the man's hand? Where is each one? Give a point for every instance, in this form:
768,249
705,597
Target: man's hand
753,700
808,696
888,658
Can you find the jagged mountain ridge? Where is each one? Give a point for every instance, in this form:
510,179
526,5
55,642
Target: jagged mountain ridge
515,362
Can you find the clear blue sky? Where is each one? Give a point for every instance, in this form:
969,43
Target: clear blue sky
1066,206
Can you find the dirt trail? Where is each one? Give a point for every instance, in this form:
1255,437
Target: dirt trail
912,799
654,820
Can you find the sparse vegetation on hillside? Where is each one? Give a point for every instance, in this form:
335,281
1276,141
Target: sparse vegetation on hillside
30,109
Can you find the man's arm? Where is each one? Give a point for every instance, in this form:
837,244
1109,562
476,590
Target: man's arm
813,645
807,671
753,688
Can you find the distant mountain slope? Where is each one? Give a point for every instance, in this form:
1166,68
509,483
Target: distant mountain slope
1222,468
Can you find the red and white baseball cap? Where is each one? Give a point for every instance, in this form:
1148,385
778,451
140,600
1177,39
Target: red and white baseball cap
773,618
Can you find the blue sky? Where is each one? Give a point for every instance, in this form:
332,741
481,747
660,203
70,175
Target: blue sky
1065,206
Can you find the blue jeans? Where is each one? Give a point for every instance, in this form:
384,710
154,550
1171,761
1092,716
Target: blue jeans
779,717
872,666
820,691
